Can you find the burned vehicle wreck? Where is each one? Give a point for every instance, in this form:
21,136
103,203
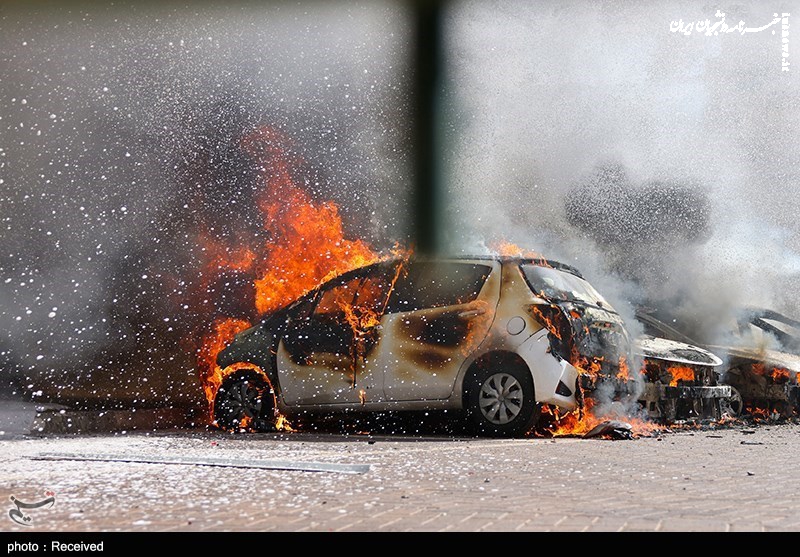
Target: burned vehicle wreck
402,335
495,337
669,379
761,350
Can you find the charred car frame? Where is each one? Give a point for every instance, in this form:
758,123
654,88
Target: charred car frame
761,358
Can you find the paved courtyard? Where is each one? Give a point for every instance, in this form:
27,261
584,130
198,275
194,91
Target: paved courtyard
736,479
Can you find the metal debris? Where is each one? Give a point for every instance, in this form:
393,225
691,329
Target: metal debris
223,462
611,428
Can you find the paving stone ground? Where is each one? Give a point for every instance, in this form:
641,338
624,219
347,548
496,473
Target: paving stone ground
721,480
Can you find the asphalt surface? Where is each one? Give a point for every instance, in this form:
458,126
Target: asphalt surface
739,478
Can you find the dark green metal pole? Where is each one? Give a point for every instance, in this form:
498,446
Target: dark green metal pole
426,91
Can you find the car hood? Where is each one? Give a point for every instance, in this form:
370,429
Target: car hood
771,358
673,351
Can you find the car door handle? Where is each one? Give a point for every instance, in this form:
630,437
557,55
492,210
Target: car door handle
468,314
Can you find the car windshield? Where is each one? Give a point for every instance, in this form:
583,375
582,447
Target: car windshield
561,286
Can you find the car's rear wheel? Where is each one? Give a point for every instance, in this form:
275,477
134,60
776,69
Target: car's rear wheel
501,402
244,401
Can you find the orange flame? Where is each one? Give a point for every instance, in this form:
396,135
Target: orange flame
542,318
282,424
508,249
220,257
589,366
680,373
758,413
624,370
303,245
572,424
780,375
211,376
305,239
777,374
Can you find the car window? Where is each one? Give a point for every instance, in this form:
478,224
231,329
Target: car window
333,300
373,292
437,284
560,285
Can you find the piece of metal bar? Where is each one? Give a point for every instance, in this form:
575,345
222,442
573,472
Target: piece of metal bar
210,461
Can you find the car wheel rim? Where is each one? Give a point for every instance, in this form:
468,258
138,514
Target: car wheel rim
241,399
733,405
501,398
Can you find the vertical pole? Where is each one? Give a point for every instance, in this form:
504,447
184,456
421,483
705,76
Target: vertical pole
426,90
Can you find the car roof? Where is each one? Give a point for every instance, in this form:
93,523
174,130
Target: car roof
503,259
520,260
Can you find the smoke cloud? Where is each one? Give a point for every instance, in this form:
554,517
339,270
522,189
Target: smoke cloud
119,132
661,164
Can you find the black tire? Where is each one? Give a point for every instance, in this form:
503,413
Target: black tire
244,394
500,401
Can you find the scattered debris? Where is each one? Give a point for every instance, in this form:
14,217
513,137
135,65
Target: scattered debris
750,443
750,473
748,431
612,429
224,462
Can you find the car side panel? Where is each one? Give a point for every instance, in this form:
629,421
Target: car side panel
324,378
515,330
421,352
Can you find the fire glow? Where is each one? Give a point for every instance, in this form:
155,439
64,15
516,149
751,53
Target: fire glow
778,374
680,373
577,423
304,245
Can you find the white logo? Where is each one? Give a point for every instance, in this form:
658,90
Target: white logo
717,27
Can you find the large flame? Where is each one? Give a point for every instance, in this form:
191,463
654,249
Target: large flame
303,245
680,373
305,242
222,332
577,423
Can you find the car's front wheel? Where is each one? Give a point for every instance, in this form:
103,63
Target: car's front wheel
732,406
501,402
244,401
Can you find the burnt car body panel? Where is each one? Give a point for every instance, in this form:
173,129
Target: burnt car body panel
674,351
748,369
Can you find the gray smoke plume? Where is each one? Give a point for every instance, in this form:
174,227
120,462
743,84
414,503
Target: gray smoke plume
664,165
119,131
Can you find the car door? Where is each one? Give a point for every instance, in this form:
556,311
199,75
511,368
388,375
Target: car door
321,358
437,315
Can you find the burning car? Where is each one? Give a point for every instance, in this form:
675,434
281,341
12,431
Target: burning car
761,356
497,337
403,335
670,379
